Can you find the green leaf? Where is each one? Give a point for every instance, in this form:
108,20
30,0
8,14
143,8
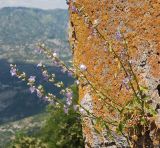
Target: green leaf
143,121
152,111
96,131
144,89
120,127
106,126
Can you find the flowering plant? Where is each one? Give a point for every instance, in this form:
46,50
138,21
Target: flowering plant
136,120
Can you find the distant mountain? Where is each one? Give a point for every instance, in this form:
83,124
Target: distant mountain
21,28
24,25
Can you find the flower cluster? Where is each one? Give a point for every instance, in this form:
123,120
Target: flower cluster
118,35
13,70
39,90
126,82
56,61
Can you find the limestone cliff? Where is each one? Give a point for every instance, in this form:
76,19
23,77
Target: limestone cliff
139,22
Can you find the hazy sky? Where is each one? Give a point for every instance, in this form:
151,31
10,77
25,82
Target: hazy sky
44,4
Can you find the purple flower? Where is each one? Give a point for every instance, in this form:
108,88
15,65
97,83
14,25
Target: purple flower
83,67
32,89
45,75
68,101
69,94
126,82
39,50
70,74
69,98
13,71
94,32
74,9
123,53
118,35
105,49
65,109
32,79
63,70
55,63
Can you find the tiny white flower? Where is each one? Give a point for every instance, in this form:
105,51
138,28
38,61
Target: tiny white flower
96,23
83,67
39,64
82,111
54,54
77,82
43,45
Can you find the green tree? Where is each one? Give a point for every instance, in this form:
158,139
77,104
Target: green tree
61,130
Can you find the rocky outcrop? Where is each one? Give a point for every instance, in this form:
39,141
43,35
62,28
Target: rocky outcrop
138,21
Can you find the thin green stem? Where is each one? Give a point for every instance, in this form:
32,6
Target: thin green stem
134,75
99,92
93,87
95,117
103,37
116,55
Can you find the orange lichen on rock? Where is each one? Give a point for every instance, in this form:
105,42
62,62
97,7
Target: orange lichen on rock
139,21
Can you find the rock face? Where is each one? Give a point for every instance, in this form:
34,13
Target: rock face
138,21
